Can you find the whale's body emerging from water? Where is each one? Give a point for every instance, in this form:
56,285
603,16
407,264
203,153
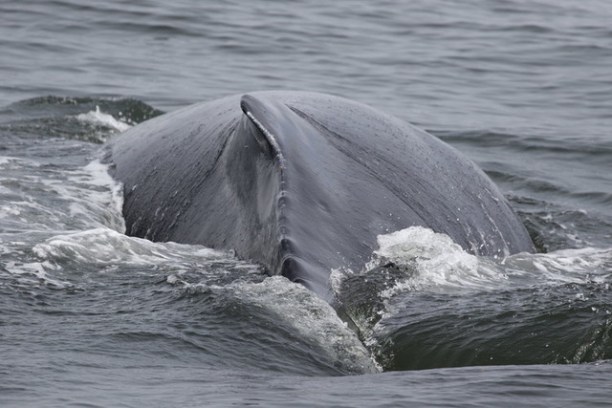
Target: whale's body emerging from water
302,183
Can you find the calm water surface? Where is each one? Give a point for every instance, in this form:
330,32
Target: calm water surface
91,317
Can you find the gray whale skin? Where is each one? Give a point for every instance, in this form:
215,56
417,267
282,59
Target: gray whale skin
302,183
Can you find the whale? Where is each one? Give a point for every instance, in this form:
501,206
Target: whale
302,183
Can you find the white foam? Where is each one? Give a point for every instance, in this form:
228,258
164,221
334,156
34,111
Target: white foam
337,278
434,263
105,246
34,273
92,195
584,265
101,177
7,211
42,198
98,117
18,162
441,264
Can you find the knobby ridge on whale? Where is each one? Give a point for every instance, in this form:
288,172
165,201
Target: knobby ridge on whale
302,183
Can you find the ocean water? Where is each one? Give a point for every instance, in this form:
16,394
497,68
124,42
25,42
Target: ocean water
92,317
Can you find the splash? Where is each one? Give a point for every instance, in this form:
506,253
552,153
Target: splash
433,262
99,118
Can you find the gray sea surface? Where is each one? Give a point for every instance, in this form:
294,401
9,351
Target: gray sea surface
92,317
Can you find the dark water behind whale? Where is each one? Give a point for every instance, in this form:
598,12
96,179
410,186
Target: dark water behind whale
90,317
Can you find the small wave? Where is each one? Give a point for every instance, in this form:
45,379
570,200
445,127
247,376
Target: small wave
558,228
293,322
81,118
74,260
312,318
128,110
107,247
422,287
278,311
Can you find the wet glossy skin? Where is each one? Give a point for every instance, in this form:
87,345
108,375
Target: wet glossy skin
302,183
